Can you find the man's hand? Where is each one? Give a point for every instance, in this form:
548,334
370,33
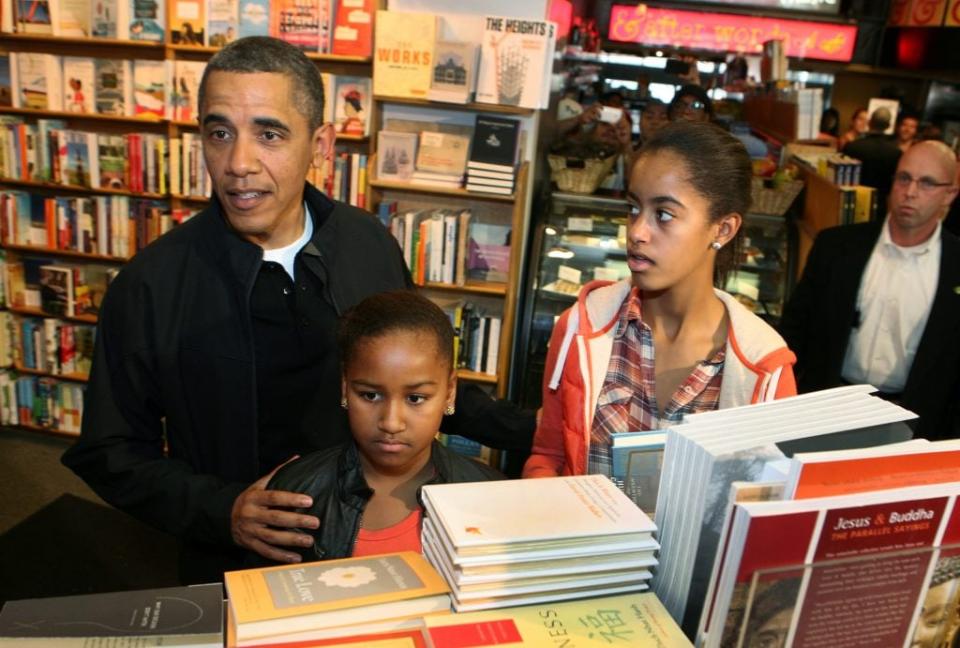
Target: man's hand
258,523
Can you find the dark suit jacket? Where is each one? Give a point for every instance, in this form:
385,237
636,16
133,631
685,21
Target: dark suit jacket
821,312
880,156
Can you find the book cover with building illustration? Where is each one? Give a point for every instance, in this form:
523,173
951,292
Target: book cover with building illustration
513,61
454,72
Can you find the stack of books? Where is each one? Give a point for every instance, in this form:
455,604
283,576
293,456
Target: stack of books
709,451
334,598
509,543
492,167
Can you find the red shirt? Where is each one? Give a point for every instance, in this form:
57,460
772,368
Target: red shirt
402,536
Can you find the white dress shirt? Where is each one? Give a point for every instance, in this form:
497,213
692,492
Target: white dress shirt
896,294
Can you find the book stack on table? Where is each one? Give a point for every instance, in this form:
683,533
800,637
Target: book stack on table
510,543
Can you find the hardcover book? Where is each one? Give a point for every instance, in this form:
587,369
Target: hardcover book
454,72
78,84
114,86
496,142
442,153
188,22
254,18
164,616
110,19
147,20
273,601
403,54
396,153
513,61
298,23
71,18
186,87
222,16
630,620
33,17
150,80
353,28
351,105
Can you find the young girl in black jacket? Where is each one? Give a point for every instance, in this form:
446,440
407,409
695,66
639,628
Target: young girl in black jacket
399,381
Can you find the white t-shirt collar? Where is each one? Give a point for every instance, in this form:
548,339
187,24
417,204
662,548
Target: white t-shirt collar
286,255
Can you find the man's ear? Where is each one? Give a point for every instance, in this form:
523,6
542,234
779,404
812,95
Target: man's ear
324,139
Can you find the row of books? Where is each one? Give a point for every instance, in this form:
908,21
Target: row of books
515,58
858,204
327,26
85,85
452,247
56,289
476,342
344,178
484,159
49,152
116,226
841,169
48,345
39,401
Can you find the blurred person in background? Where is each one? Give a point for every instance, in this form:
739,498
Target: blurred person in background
652,119
830,126
691,103
907,127
879,155
859,125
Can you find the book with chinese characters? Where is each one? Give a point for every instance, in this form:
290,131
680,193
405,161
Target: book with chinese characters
629,620
403,54
274,601
170,616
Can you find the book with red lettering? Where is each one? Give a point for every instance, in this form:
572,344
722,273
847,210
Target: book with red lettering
848,570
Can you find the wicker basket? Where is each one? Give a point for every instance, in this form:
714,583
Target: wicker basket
576,179
774,201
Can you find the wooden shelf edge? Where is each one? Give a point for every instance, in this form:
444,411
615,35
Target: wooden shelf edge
439,191
40,428
81,378
496,289
89,190
469,107
62,114
36,312
474,376
30,249
80,40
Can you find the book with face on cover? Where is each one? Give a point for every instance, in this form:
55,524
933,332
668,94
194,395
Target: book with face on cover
351,104
273,601
168,616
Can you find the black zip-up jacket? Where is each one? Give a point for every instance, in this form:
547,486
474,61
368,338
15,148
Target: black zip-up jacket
174,361
334,479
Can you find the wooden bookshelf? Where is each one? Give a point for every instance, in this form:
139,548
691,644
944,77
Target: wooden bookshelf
474,376
36,372
471,287
438,191
54,186
468,107
67,254
36,312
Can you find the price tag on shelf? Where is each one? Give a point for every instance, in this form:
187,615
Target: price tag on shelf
569,274
579,224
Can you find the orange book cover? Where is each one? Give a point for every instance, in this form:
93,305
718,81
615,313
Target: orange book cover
272,601
858,475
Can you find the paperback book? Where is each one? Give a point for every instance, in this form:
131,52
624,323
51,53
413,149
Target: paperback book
514,57
113,80
352,105
454,72
353,28
254,18
403,54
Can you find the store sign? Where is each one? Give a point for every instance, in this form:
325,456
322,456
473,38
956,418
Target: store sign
810,6
730,32
918,13
952,18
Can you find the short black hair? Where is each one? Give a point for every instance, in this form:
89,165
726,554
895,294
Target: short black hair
265,54
695,91
719,168
389,312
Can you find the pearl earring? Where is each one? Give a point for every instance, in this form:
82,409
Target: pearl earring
449,411
716,245
343,402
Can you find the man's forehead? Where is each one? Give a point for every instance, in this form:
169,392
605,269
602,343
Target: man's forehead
928,159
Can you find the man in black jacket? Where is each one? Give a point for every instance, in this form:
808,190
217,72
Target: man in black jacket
878,154
215,359
879,302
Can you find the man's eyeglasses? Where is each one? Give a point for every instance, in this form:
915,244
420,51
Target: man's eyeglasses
694,105
903,179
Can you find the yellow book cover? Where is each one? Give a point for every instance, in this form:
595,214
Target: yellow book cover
403,54
636,620
286,599
161,165
863,211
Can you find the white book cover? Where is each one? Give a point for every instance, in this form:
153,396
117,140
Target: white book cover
72,18
38,81
79,84
449,247
222,17
513,61
511,513
104,18
150,83
186,87
454,77
493,346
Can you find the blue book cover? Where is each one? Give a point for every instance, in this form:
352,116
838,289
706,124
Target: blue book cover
254,18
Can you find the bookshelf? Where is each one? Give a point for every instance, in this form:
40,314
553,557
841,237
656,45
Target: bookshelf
174,201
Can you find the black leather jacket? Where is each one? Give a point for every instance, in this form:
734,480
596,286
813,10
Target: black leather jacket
334,479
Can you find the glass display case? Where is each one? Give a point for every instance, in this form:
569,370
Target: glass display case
580,238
